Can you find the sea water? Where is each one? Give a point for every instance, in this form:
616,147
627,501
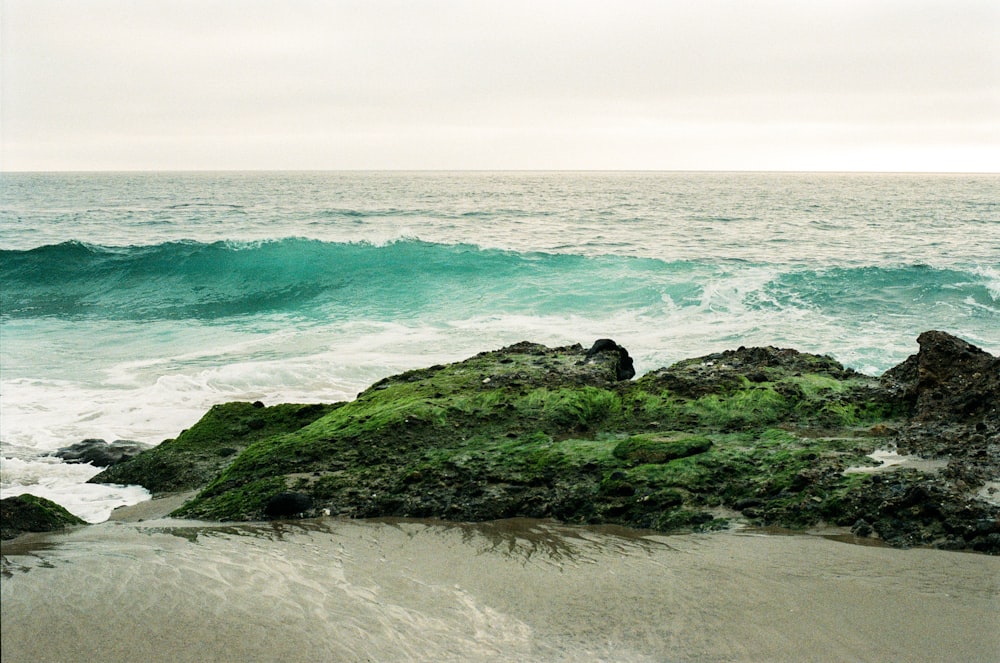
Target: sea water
132,302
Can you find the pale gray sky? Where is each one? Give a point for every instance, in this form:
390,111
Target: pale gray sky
500,84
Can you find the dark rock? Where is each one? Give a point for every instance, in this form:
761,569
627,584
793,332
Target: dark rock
747,503
987,544
701,518
724,372
28,513
624,369
948,379
99,453
951,390
287,504
861,528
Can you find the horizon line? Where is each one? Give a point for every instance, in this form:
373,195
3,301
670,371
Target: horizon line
4,171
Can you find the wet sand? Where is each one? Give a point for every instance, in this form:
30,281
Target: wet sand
159,507
336,590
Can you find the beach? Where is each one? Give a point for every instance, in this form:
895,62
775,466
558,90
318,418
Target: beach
394,590
461,331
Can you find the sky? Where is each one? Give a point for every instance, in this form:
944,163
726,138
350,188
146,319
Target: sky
816,85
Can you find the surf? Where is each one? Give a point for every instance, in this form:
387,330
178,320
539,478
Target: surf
410,278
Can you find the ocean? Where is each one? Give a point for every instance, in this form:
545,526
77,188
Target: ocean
132,302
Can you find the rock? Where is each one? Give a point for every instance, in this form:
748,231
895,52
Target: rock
861,528
648,449
763,434
624,368
951,390
99,453
948,380
283,505
199,453
729,370
28,513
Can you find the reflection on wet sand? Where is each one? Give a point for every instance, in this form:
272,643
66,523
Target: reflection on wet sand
388,590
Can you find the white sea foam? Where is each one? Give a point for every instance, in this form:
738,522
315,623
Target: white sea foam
991,277
65,484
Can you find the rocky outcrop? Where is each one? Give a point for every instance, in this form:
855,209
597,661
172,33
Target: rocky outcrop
758,435
948,380
28,513
951,392
624,367
197,455
952,389
730,370
100,453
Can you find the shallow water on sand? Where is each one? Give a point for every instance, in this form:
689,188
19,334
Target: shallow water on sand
336,590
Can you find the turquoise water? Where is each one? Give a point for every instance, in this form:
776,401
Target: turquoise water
132,302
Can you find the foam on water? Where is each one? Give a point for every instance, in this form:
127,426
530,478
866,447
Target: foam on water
991,279
65,484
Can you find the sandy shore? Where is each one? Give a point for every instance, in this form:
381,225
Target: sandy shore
158,507
336,590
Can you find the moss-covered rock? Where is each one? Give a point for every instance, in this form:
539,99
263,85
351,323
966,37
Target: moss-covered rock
199,453
29,513
642,449
762,435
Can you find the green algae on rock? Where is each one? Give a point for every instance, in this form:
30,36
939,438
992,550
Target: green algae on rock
759,435
30,513
199,453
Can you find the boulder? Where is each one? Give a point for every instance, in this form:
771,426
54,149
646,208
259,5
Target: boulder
287,504
99,453
29,513
624,368
948,380
951,390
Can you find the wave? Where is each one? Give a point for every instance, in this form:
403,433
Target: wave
406,279
381,213
912,288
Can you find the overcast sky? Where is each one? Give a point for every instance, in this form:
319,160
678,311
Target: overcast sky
500,84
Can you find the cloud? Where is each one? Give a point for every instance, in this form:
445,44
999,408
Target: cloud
390,83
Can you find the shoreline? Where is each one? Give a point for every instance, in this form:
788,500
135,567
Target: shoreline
155,513
155,508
